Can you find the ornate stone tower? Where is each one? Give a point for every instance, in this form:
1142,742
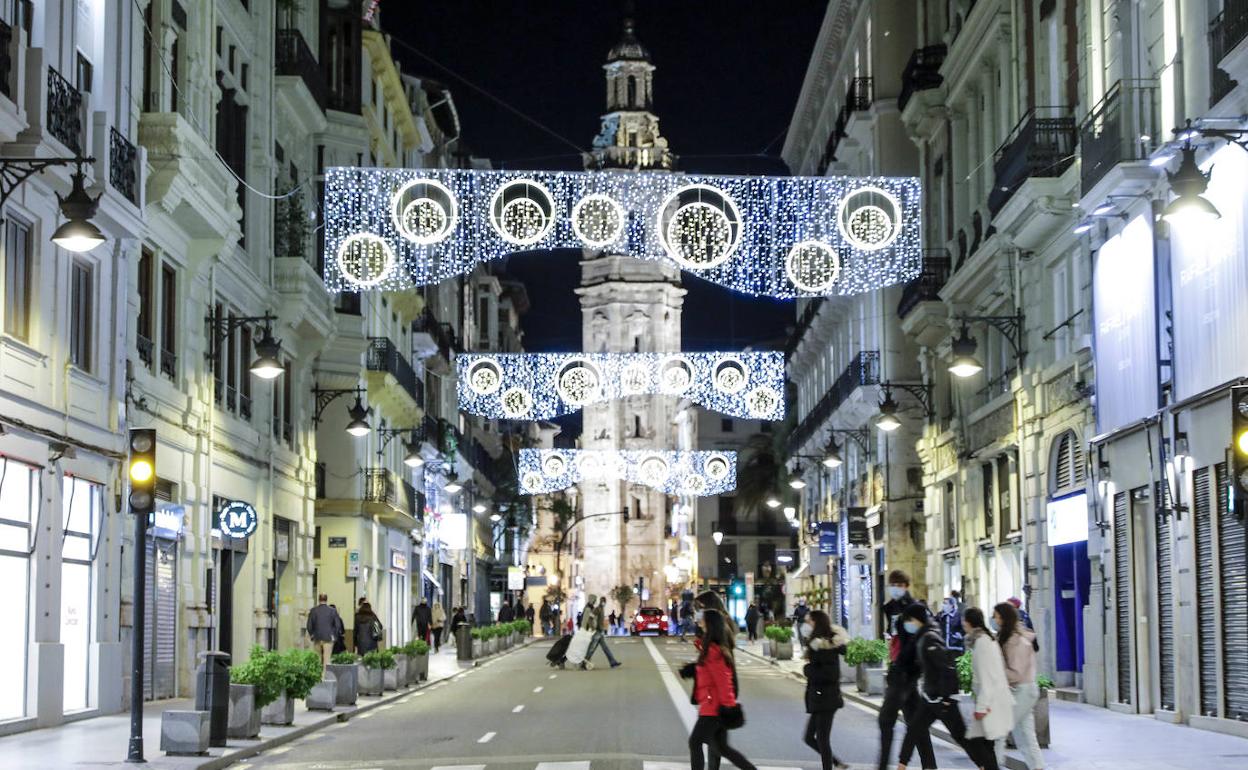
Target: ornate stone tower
628,305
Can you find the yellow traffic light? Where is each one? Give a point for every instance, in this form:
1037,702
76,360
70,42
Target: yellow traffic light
1241,442
141,471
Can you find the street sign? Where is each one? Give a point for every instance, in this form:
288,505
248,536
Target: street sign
859,534
515,579
337,542
237,519
353,563
827,538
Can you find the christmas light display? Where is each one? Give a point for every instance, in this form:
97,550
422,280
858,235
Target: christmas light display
675,473
540,386
767,236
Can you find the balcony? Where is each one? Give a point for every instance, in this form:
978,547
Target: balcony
123,166
303,297
145,348
926,288
295,59
858,98
392,383
1111,134
864,369
430,336
395,498
187,178
1041,145
1228,59
922,72
65,112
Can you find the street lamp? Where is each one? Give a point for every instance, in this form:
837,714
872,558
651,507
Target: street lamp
452,485
358,426
480,508
1189,183
773,502
78,233
717,536
964,362
789,512
832,455
887,421
494,517
795,480
268,363
413,458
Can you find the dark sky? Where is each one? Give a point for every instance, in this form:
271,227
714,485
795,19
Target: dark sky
727,81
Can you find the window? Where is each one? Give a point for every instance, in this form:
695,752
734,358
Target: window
218,359
17,269
19,498
288,433
483,323
81,312
725,425
244,383
951,517
1005,484
1066,472
231,366
168,321
634,508
146,308
84,70
989,497
636,426
82,508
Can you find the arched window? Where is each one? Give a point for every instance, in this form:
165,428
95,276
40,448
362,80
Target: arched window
1066,472
632,91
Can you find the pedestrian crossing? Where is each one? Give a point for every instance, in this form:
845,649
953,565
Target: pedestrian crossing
594,765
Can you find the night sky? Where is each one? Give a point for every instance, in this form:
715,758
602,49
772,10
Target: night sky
727,81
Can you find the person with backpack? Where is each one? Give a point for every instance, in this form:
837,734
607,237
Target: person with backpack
715,694
823,684
1019,647
903,670
936,689
368,631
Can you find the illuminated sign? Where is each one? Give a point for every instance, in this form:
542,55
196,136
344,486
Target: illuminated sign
1068,519
237,519
166,521
398,560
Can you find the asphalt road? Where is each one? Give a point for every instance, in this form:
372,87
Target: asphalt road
516,713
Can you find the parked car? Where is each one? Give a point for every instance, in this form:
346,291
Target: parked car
649,620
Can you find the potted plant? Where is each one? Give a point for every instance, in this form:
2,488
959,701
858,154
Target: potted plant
346,671
262,674
1041,709
417,661
372,671
868,655
401,662
300,671
781,638
478,641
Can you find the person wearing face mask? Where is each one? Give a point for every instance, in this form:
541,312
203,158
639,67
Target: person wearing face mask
823,684
903,671
994,704
1019,647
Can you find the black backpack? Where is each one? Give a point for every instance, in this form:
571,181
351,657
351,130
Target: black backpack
940,667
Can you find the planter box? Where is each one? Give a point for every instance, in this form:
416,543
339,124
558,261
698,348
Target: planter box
390,679
767,648
279,712
347,677
418,668
870,680
400,666
370,680
493,646
477,648
244,716
1041,712
849,675
782,650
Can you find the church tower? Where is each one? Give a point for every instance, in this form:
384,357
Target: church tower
628,305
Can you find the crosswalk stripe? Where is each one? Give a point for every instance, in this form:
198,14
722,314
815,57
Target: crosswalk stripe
537,689
458,767
518,709
486,738
562,766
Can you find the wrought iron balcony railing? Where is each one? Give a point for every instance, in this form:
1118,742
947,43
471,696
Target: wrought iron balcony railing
864,369
922,72
379,486
145,348
1041,145
383,356
294,57
169,363
443,333
1111,134
926,288
858,97
123,166
1227,30
64,111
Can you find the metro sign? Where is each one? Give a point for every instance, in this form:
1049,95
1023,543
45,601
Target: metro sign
237,519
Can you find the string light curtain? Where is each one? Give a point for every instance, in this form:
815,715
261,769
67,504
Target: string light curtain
779,237
697,474
540,386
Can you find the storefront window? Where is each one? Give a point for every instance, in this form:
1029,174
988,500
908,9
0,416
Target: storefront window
82,507
18,496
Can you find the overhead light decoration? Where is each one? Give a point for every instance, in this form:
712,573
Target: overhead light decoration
964,363
779,237
541,386
790,511
673,472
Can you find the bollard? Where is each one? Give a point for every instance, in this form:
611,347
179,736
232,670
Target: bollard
212,694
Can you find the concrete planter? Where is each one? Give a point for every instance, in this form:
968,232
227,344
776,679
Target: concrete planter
347,677
782,650
390,679
279,712
478,648
401,663
870,679
493,646
767,648
370,680
848,675
1041,712
418,668
244,716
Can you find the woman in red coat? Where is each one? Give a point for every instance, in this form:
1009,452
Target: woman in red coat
713,690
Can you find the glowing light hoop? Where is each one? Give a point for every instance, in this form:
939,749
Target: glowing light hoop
731,220
893,219
635,379
498,213
517,402
613,207
554,465
450,215
590,385
387,254
485,387
654,470
800,256
717,467
762,396
675,387
724,382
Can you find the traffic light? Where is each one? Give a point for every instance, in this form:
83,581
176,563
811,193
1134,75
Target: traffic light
142,471
1239,444
738,589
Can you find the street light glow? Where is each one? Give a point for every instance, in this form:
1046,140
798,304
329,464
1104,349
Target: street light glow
268,363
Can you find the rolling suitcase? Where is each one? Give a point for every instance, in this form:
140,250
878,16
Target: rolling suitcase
579,646
559,651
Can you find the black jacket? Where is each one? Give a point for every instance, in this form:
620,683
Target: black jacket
422,615
506,614
823,676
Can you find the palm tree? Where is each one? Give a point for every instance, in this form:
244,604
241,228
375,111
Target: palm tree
761,472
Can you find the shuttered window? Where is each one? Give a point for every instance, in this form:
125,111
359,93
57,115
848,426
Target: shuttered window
1165,602
1067,465
1122,592
1233,568
1206,593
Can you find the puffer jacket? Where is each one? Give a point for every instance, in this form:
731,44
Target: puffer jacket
1020,657
823,672
713,687
990,688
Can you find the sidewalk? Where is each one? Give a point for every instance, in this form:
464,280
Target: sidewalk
103,741
1091,738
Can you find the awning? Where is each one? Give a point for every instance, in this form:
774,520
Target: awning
429,576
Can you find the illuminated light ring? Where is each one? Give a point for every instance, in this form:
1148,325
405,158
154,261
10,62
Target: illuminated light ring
728,215
501,208
578,382
517,403
479,374
387,254
675,385
653,470
845,215
635,379
532,481
717,467
448,209
590,466
800,266
670,472
606,207
762,401
554,466
730,376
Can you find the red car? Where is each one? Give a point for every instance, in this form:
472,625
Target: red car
649,620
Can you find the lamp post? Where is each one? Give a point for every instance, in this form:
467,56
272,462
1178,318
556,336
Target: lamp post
77,233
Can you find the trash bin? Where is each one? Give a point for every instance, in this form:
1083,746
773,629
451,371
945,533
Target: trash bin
463,642
212,693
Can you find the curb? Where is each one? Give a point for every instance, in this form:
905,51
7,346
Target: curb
332,718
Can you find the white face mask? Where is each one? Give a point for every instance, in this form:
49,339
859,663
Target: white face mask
896,592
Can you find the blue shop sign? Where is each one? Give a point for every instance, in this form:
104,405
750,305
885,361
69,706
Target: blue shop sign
827,538
237,519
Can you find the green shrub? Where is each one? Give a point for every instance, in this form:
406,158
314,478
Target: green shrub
964,671
343,658
264,671
523,626
1045,682
301,671
871,652
418,647
780,634
477,633
382,659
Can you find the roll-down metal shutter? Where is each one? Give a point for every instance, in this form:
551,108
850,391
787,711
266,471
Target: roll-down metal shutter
1206,596
1122,592
1165,602
1233,567
160,634
149,613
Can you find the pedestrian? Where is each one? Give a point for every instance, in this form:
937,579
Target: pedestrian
823,684
686,618
1022,613
611,621
519,609
368,631
994,704
323,622
458,618
437,621
422,616
340,632
903,671
506,614
938,686
546,615
799,618
714,693
709,600
949,621
596,622
529,614
751,622
1019,648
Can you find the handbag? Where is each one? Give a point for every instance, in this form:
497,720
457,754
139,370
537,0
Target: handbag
732,717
